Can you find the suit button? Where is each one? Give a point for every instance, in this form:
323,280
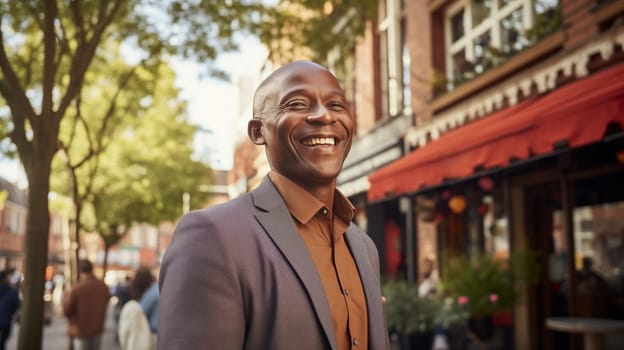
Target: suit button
347,291
324,211
355,341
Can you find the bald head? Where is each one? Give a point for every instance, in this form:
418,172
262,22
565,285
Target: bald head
267,90
302,118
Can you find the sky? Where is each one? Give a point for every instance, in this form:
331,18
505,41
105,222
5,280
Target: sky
213,105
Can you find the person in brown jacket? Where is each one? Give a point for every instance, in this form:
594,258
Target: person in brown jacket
85,308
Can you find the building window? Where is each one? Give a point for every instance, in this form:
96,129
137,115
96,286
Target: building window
481,34
394,59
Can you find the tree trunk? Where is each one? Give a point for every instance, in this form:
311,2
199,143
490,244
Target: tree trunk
75,243
75,235
31,315
105,262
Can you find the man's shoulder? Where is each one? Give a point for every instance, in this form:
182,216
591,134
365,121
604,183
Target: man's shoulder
222,220
218,210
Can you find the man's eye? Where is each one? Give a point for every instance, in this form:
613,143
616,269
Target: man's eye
336,106
298,104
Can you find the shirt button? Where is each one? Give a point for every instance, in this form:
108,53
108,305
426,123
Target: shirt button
324,211
347,291
355,341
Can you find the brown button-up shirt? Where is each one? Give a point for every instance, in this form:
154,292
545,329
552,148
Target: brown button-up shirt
322,230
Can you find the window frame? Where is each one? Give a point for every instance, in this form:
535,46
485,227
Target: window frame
491,23
392,33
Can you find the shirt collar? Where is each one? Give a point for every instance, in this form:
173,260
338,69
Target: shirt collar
303,206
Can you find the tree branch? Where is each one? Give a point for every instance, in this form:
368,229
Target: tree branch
75,6
35,14
14,93
85,53
49,68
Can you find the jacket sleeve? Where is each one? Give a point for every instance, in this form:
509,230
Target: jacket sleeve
69,304
201,304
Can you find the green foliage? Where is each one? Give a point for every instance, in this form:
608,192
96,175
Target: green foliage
488,285
50,55
316,25
408,313
146,164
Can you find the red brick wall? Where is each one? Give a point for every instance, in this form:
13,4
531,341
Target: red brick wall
365,96
419,35
578,21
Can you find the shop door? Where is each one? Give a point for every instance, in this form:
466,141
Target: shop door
546,234
582,267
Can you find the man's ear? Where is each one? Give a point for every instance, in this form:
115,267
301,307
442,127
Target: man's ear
254,130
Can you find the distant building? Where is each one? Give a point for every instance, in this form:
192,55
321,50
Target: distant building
13,217
484,126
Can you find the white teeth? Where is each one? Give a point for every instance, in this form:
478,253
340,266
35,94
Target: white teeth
314,141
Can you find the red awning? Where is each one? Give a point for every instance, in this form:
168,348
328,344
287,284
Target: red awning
577,113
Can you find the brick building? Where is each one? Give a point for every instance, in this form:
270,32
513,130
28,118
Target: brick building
13,215
497,125
513,110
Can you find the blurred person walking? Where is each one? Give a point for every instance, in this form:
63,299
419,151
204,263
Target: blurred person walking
121,291
85,308
150,299
135,332
9,304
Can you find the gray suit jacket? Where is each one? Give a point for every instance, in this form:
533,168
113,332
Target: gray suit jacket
239,276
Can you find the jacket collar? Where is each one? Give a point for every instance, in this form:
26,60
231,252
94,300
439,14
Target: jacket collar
279,225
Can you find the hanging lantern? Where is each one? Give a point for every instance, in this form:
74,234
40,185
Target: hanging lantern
620,156
457,204
486,183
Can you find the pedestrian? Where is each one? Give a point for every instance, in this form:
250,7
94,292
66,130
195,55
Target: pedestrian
9,304
427,287
134,330
281,267
150,299
121,292
85,308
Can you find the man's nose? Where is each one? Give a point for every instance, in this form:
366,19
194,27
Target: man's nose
320,114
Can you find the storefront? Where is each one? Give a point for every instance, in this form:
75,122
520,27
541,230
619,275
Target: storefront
383,221
547,173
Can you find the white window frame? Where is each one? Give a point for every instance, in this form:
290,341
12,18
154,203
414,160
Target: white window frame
392,60
491,23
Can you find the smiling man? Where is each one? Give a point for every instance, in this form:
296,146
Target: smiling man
281,267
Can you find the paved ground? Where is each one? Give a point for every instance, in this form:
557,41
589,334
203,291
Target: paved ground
55,335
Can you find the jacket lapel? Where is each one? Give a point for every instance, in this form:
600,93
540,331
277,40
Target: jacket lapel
372,290
279,225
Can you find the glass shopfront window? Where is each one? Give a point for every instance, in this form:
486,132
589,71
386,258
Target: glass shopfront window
583,265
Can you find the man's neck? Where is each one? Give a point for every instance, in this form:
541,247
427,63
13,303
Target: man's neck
324,193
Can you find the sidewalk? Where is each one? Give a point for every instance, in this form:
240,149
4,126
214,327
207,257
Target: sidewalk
55,335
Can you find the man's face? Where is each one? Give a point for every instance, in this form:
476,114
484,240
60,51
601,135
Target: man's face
307,127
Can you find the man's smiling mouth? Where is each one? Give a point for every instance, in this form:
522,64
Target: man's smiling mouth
319,141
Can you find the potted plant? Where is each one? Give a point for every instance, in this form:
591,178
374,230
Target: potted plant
487,286
413,320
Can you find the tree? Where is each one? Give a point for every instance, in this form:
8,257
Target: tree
328,28
47,48
46,51
145,167
146,173
91,125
